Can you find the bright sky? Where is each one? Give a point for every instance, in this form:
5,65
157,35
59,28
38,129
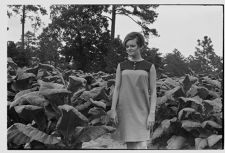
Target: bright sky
179,26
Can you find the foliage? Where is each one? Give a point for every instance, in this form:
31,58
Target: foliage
52,115
30,44
189,113
115,54
48,47
143,15
20,57
11,49
175,64
85,32
205,60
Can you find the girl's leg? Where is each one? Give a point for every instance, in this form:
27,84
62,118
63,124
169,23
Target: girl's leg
137,145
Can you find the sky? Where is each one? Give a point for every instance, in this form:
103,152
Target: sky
179,26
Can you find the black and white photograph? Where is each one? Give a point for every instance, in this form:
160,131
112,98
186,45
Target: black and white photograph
114,76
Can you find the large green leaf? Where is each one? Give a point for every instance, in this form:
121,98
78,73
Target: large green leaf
23,92
95,111
98,103
202,92
92,132
214,95
213,139
23,81
10,95
171,94
211,124
49,85
107,77
194,102
67,73
163,127
11,63
10,77
216,117
33,70
176,142
185,112
102,120
192,91
200,143
32,98
21,134
213,105
188,82
42,73
97,93
76,95
170,83
75,83
46,67
98,115
69,120
51,78
100,83
111,82
30,113
55,96
52,112
189,125
89,78
214,83
84,106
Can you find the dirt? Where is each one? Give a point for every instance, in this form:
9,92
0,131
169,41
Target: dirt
108,142
104,142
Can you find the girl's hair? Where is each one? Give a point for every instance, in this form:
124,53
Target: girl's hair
133,35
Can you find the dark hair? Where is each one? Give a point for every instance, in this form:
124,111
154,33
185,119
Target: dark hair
133,35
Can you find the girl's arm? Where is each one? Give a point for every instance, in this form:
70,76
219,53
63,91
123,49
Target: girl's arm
153,97
117,88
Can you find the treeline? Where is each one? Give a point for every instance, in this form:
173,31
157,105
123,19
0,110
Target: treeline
79,38
204,62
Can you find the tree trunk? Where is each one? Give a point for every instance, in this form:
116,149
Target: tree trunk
113,22
82,56
23,22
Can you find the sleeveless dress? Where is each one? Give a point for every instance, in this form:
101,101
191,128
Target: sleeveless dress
133,104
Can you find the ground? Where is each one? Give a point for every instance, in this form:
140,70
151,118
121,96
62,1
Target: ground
106,141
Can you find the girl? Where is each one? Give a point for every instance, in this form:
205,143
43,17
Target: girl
132,109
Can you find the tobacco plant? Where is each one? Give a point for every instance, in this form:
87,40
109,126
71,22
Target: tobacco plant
47,110
189,114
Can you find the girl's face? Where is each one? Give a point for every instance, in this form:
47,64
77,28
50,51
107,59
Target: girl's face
132,48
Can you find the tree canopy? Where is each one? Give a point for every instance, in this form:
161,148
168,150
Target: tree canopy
205,60
175,64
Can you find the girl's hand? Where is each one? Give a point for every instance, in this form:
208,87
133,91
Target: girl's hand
150,124
113,116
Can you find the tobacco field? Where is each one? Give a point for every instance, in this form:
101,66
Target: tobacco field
51,108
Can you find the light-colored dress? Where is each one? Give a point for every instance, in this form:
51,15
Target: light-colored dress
133,104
